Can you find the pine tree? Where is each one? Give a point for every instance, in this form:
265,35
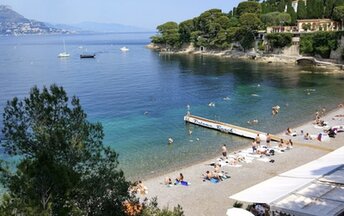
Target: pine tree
319,6
281,6
301,10
329,5
310,7
291,12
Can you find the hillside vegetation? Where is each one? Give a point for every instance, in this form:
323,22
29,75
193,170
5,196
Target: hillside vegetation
218,30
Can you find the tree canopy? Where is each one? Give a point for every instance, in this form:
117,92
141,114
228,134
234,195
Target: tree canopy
248,7
62,166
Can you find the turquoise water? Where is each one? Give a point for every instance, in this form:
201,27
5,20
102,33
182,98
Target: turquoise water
140,97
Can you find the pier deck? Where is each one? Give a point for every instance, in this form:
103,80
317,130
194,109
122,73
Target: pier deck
241,131
227,128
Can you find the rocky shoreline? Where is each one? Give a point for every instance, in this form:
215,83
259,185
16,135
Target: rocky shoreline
247,56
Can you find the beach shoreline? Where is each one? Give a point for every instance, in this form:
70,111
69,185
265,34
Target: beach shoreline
214,155
243,177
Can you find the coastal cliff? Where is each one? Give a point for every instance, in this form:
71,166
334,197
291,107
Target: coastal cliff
278,56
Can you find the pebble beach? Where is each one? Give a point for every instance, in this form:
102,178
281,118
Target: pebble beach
207,198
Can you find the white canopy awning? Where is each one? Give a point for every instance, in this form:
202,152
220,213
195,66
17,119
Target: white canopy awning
285,183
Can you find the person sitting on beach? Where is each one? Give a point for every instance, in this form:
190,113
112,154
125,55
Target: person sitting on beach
211,175
179,178
224,151
208,175
307,136
281,144
289,143
288,132
263,151
168,181
217,168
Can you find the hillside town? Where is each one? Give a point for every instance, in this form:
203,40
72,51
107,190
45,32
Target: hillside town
12,23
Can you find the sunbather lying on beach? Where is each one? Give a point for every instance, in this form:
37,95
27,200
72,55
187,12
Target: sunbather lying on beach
212,175
168,181
307,136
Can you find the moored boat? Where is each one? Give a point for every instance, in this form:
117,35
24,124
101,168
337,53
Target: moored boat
87,55
124,49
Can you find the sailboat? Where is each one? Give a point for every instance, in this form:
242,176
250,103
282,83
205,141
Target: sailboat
64,54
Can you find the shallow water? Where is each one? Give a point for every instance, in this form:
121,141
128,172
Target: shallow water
140,97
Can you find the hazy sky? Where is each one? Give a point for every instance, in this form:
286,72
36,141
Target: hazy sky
141,13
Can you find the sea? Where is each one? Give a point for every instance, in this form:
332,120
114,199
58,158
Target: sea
141,96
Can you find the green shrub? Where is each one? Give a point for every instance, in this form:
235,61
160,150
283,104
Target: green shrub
279,40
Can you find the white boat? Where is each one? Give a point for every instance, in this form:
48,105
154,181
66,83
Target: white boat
124,49
64,54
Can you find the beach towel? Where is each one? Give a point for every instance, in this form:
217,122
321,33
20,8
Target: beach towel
185,183
214,180
235,165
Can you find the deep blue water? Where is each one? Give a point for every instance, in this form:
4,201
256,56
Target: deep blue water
140,97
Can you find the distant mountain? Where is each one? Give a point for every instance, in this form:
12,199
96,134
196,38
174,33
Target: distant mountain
108,27
12,23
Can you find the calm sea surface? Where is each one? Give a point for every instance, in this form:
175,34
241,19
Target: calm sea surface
140,97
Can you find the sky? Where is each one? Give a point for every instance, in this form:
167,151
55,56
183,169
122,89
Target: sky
141,13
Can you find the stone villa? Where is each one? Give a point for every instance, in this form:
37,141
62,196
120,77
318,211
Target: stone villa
307,25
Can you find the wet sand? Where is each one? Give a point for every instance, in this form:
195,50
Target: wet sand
206,198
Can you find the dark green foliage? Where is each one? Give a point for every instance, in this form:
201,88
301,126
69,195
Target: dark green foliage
338,13
217,30
168,34
301,10
276,18
185,30
233,22
245,36
292,13
319,43
63,166
279,40
306,44
329,6
315,9
248,7
281,6
250,20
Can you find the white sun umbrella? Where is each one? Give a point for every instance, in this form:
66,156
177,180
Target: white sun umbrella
238,212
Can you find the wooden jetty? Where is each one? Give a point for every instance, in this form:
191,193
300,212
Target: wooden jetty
227,128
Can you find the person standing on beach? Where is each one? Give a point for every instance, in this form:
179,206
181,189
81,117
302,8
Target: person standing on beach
224,151
257,139
268,139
